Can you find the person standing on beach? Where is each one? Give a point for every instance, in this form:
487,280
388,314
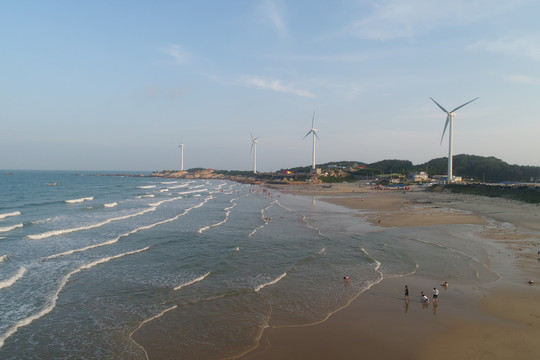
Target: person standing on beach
406,291
435,295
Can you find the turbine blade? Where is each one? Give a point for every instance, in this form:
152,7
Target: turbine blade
459,107
250,133
310,131
445,126
317,136
443,109
251,150
313,119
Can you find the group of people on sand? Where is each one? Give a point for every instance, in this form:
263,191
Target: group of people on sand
423,298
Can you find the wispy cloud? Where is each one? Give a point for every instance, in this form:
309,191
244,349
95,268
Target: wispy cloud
177,52
521,79
406,18
274,85
273,14
521,46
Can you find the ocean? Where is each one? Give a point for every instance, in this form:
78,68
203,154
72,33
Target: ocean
129,267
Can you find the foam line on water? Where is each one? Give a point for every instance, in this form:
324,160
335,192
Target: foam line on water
87,227
5,215
462,253
110,205
192,191
146,187
200,278
178,186
263,218
10,281
112,241
76,201
3,258
227,213
9,228
276,280
145,322
156,204
52,304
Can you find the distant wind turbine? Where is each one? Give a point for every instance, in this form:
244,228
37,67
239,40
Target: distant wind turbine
314,132
450,120
254,149
181,146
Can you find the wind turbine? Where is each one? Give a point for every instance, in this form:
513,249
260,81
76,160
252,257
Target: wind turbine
314,132
181,146
450,120
254,149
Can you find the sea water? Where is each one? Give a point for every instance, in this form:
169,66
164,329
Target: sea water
132,267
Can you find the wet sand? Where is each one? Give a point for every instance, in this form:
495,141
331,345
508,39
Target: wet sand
499,320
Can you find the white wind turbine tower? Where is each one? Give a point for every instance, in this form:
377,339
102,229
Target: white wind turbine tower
181,146
314,132
254,149
450,120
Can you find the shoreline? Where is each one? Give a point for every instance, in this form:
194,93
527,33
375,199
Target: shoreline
496,320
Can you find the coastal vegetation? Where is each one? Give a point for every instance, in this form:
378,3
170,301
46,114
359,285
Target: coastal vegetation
470,167
521,193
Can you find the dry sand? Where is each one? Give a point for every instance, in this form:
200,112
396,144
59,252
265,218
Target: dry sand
501,321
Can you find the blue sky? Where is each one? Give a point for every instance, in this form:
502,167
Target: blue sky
117,85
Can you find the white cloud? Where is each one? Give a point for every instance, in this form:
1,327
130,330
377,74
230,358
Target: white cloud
274,85
406,18
523,46
178,53
522,79
272,14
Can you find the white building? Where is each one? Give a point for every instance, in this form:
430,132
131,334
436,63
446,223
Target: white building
418,176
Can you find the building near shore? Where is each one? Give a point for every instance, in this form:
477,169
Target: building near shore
418,176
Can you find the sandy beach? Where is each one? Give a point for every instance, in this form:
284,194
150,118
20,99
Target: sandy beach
498,320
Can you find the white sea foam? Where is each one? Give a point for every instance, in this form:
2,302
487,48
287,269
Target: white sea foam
163,190
110,205
147,321
75,201
54,299
10,281
66,231
149,196
9,228
192,192
260,287
197,186
3,258
156,204
112,241
227,213
146,187
70,252
200,278
169,182
178,186
5,215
